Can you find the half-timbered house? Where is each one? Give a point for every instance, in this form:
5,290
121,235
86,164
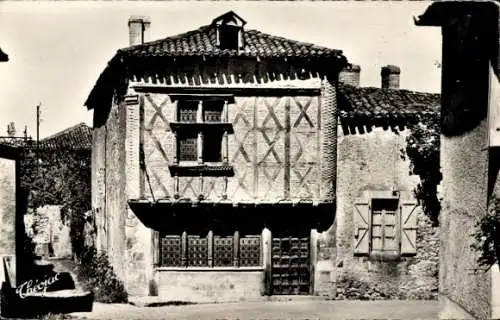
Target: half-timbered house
215,165
214,160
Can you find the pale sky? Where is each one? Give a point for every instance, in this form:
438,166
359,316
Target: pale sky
58,49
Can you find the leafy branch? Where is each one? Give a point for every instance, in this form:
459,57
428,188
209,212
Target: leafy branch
422,149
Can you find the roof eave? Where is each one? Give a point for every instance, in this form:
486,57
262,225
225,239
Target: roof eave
439,12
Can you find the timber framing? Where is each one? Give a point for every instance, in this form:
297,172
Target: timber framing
228,91
172,213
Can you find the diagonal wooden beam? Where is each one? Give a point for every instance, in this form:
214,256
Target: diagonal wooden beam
271,114
303,112
240,148
158,112
271,146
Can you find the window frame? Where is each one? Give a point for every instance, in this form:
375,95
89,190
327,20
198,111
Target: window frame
202,128
383,253
210,247
405,231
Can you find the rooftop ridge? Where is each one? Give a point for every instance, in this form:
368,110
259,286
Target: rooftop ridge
65,131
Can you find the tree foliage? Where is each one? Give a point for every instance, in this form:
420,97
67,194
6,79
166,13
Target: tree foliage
59,177
422,149
97,274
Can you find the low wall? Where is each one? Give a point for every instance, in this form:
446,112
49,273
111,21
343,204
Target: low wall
210,285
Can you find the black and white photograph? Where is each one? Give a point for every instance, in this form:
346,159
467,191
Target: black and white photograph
249,159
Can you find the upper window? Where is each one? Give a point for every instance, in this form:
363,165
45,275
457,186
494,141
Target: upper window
187,147
385,228
201,130
229,37
229,28
191,138
187,110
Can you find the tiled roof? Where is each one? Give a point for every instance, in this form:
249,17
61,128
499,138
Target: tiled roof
202,42
369,106
78,137
3,56
15,141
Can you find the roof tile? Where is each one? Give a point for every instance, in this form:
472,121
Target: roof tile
202,41
78,137
366,105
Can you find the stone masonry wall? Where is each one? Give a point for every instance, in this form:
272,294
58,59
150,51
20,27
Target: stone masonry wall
464,164
137,255
372,161
7,207
210,286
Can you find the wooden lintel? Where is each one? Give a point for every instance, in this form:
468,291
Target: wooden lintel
237,91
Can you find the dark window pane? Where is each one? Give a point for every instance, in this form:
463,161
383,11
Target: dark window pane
212,144
188,148
223,251
250,251
187,110
228,36
170,251
197,251
212,111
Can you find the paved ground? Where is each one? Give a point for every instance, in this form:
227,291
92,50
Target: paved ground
273,310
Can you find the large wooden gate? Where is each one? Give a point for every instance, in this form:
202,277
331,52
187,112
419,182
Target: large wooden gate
291,266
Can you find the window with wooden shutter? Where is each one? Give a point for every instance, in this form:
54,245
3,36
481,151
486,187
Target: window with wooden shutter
385,228
408,228
362,227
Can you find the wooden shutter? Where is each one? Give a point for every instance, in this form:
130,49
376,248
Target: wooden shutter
408,228
362,227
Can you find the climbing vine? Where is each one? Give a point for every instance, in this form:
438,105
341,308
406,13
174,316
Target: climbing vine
487,236
422,149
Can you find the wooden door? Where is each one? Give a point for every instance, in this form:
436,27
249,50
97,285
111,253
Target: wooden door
291,272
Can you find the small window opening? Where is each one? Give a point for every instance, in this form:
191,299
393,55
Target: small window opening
212,143
229,37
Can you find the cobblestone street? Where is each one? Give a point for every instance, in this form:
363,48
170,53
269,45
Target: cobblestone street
273,310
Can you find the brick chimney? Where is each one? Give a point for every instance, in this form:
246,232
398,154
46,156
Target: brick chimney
350,75
390,77
138,30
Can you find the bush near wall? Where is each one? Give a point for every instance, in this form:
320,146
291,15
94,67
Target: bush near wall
97,275
487,236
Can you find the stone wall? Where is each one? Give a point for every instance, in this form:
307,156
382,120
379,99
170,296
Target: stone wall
50,236
464,164
212,286
412,278
372,161
7,207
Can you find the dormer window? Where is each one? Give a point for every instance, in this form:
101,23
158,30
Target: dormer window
229,29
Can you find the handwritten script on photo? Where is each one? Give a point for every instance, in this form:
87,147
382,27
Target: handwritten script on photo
31,287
